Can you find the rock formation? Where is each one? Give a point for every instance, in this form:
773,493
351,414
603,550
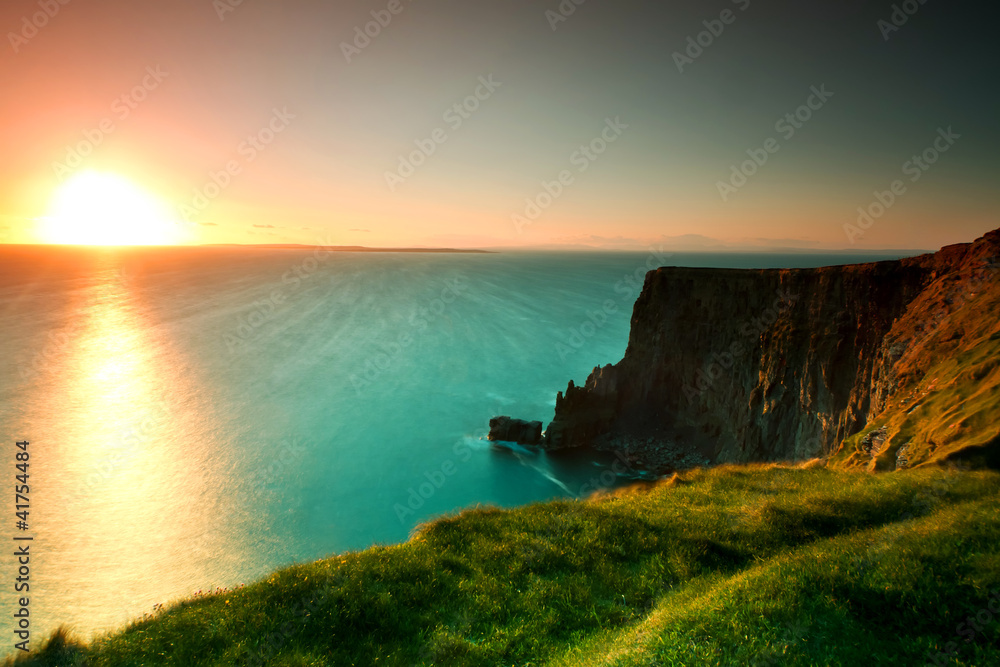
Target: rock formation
785,364
505,429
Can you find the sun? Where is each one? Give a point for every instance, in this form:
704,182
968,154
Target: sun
106,209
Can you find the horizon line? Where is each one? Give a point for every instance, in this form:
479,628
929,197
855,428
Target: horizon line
496,249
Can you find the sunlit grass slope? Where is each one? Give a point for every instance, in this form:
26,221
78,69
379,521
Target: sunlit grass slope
947,380
733,566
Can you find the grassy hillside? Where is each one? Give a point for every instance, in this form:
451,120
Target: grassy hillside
747,566
945,379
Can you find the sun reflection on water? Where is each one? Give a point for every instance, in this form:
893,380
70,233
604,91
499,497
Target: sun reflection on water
129,472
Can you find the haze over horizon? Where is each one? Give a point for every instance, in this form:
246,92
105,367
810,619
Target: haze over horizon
474,125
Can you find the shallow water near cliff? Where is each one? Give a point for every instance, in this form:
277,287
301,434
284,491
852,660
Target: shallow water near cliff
199,417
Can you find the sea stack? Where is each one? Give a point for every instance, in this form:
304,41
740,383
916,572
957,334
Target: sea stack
505,429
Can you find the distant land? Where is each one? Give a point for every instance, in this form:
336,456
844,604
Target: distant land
341,248
685,250
699,244
679,249
569,248
683,243
721,250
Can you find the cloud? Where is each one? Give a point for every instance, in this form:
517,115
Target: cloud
264,226
366,231
208,224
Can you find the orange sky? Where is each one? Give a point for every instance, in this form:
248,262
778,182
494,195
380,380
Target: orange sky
267,124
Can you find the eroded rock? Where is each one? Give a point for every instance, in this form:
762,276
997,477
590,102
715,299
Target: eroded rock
522,432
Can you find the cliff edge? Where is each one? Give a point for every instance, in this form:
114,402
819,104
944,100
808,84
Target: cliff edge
734,366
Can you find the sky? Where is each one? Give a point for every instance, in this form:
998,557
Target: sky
581,123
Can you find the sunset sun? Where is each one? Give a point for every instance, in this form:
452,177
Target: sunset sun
106,209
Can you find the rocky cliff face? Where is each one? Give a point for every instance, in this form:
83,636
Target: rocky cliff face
739,365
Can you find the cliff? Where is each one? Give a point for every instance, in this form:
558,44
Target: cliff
762,365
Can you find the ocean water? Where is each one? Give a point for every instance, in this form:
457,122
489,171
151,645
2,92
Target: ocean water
199,417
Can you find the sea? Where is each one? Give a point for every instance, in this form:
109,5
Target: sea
197,417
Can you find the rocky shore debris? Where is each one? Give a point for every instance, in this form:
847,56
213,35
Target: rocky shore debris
646,456
872,443
505,429
657,455
903,457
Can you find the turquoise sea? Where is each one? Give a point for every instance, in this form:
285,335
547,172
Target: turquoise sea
198,417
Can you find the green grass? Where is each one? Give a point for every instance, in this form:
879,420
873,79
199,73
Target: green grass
947,393
952,410
735,566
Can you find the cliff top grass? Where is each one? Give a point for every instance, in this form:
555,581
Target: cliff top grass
760,565
947,374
